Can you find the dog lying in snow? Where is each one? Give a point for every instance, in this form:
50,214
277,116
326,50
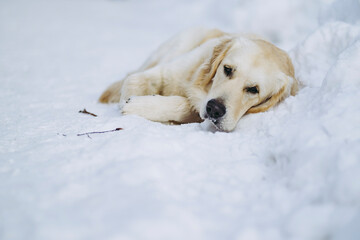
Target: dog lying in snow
206,74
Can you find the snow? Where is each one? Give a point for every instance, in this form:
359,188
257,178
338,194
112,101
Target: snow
289,173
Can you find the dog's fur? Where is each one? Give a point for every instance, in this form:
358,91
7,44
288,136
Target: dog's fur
176,83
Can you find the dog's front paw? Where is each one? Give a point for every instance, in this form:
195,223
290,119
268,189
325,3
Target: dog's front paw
128,100
129,106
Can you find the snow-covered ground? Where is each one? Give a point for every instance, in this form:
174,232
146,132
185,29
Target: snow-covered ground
290,173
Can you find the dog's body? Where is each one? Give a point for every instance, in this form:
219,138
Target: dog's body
206,74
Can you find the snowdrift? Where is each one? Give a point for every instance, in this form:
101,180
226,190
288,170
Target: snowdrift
289,173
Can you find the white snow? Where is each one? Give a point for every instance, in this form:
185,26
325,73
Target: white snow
289,173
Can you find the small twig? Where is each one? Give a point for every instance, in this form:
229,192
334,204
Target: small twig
86,112
87,133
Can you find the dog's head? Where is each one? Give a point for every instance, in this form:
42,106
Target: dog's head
244,75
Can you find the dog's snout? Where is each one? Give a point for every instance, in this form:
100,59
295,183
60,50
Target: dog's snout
215,109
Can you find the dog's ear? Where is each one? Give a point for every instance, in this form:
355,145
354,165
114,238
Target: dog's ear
286,89
208,69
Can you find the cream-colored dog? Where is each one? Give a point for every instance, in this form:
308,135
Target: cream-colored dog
206,74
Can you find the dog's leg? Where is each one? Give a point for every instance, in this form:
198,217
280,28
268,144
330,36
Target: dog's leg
142,84
136,84
161,108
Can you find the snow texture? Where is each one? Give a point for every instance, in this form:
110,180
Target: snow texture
289,173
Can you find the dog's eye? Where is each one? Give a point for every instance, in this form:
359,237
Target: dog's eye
252,90
228,70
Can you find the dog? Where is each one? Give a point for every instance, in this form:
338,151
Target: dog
206,74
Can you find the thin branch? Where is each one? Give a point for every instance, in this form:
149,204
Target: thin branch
86,112
87,133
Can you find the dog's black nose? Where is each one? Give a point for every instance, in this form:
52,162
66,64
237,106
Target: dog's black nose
215,109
